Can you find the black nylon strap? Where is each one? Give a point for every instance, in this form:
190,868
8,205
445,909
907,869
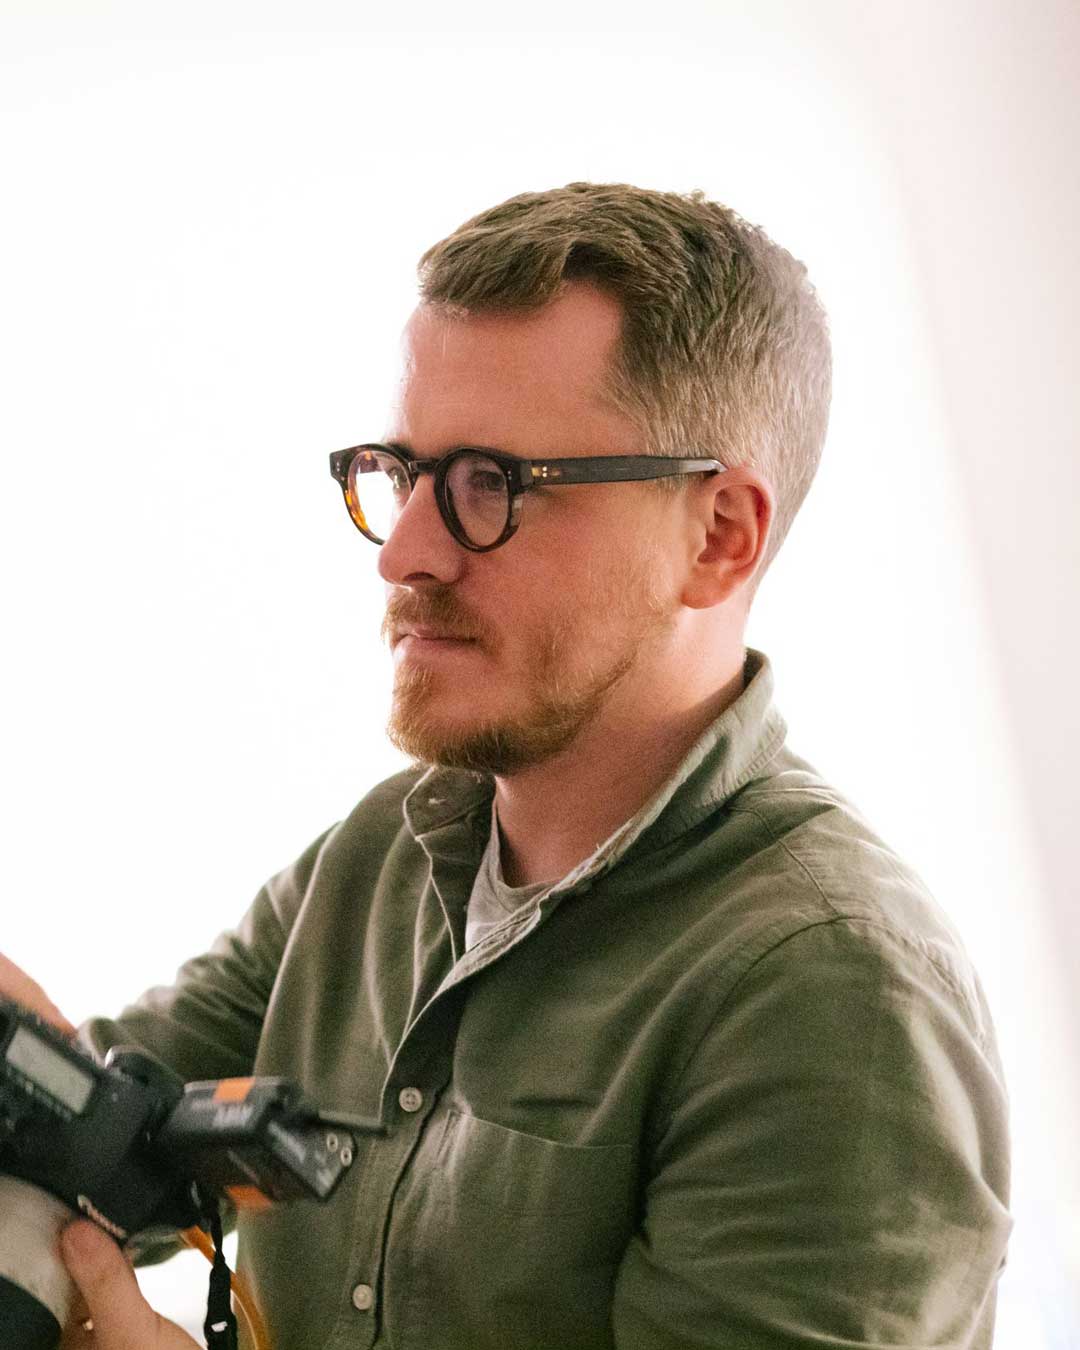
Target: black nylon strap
220,1326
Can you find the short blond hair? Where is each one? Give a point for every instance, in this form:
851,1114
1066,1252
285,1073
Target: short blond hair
725,346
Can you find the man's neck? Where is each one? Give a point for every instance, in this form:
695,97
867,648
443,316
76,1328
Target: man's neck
553,815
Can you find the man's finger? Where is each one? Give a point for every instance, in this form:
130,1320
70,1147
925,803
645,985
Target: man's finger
107,1284
17,985
122,1318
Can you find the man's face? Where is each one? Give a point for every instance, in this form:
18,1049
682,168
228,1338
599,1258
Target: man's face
503,659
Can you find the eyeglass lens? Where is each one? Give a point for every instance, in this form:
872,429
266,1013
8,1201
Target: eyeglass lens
379,488
477,494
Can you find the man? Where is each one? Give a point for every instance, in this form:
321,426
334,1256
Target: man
670,1049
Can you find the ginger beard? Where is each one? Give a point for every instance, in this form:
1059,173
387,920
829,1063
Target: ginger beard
569,667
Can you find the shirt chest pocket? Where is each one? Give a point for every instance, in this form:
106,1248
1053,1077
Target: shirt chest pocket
510,1232
488,1168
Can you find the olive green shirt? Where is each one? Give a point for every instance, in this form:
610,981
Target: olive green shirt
731,1083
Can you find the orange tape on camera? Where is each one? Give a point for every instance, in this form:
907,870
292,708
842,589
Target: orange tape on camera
232,1089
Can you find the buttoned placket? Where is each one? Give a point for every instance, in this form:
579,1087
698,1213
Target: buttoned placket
419,1074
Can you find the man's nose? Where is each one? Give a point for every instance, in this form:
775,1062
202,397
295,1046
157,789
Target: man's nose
420,547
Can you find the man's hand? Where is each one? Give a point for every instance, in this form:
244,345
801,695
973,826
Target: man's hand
120,1316
122,1319
15,984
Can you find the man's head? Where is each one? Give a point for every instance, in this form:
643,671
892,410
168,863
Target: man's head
593,322
723,348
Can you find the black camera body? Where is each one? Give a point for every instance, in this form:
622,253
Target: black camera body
133,1148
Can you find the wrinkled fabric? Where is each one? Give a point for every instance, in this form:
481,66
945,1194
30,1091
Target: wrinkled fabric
732,1083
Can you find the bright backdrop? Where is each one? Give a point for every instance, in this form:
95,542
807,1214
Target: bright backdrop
212,216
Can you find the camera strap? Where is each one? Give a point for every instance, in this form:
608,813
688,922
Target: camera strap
220,1325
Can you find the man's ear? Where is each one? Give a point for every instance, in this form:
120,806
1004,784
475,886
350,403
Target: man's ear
731,518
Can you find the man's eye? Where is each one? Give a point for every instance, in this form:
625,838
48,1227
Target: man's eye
486,481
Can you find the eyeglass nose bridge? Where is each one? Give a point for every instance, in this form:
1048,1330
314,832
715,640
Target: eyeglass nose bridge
414,469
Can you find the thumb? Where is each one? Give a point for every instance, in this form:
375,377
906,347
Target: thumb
123,1320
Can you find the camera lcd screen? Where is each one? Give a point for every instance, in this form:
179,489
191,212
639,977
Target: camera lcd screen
50,1070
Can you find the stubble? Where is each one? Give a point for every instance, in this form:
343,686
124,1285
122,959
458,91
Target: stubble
566,686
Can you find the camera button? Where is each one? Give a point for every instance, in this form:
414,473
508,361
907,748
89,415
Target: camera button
410,1099
363,1296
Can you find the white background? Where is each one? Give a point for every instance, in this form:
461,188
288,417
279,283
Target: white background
211,219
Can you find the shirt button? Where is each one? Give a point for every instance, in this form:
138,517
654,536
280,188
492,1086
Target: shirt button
410,1099
362,1297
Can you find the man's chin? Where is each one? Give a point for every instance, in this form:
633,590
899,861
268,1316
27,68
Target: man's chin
426,725
487,749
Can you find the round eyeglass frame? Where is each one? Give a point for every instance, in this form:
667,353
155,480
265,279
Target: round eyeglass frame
520,474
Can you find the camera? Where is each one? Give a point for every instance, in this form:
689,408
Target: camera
134,1148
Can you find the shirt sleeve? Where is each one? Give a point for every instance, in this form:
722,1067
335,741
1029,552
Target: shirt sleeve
207,1024
833,1168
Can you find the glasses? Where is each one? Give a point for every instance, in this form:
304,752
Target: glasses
478,492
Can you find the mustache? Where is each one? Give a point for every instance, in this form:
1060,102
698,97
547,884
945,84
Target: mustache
439,609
